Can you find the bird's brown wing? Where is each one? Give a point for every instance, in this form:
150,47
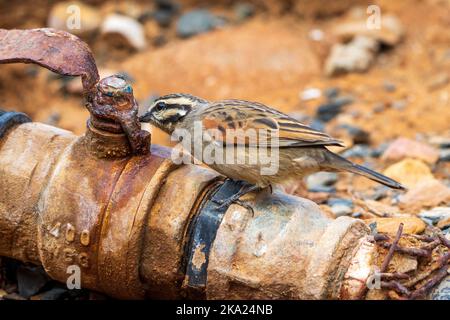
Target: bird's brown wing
236,122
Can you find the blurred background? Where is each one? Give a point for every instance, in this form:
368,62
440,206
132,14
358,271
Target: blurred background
366,72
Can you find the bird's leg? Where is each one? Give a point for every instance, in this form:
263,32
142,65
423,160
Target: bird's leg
234,198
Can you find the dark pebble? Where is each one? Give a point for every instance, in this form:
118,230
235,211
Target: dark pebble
166,11
163,18
358,151
318,125
442,291
399,104
197,21
380,193
321,182
340,207
30,280
357,134
378,151
243,11
379,107
444,155
389,86
331,93
331,109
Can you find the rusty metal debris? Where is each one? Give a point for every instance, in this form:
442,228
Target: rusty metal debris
110,101
434,270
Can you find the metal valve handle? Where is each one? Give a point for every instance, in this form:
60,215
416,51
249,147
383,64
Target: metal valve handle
110,101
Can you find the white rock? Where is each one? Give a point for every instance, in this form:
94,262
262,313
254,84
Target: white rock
357,55
129,28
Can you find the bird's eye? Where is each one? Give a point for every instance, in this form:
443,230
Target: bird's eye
160,106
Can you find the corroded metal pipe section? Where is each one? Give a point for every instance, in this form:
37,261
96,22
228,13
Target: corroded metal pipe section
139,226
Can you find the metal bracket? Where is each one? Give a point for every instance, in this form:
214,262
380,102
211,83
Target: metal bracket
202,233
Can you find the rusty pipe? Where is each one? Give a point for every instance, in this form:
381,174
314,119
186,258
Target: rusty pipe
140,226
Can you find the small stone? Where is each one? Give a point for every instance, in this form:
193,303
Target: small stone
399,104
389,86
331,93
440,142
379,107
166,11
341,207
378,151
380,208
357,151
357,215
310,94
436,214
30,280
243,11
426,194
62,16
444,155
163,18
357,134
380,193
53,119
355,56
407,148
318,182
411,225
318,125
442,291
316,34
331,109
409,172
197,21
444,223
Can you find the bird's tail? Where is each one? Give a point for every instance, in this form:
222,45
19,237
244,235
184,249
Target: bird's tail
336,162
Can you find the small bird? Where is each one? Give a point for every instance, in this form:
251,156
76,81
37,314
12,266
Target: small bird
301,149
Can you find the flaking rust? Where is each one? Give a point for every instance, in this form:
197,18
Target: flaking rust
110,101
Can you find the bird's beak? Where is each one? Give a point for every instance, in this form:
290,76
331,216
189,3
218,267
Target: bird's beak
146,117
